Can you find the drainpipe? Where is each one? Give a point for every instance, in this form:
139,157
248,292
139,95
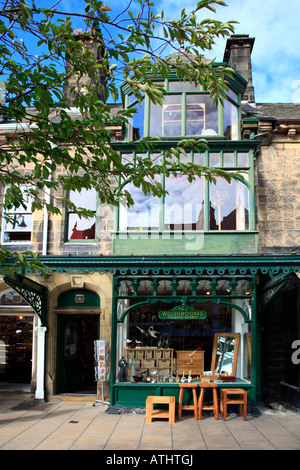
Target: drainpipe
45,229
46,216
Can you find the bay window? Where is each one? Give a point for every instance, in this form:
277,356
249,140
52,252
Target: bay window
186,111
193,205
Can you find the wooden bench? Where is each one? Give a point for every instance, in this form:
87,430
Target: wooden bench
152,412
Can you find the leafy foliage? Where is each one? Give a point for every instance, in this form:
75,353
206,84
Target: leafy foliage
48,149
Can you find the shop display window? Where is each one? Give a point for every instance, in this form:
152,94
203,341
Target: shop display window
16,347
165,334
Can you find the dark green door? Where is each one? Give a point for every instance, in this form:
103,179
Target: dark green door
76,336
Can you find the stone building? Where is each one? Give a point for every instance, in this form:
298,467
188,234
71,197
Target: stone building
204,273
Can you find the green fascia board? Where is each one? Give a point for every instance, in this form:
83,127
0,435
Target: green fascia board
236,82
214,242
213,145
274,263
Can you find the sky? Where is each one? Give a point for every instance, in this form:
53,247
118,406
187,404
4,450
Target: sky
273,23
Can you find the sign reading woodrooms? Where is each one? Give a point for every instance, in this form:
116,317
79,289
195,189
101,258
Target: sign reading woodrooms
182,313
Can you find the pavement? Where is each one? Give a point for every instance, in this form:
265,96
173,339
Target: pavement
72,423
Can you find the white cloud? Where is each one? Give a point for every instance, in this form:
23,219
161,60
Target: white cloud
275,27
273,23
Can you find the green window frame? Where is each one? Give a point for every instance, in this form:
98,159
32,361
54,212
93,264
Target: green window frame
185,111
237,211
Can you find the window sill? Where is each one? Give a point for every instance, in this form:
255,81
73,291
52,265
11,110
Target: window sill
16,243
81,242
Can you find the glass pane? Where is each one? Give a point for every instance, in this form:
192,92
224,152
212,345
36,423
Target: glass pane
12,298
229,206
243,159
183,86
19,230
223,287
199,159
228,159
166,120
214,159
153,347
81,229
155,120
21,222
27,199
85,198
230,121
202,115
172,115
243,287
143,215
145,288
184,204
138,121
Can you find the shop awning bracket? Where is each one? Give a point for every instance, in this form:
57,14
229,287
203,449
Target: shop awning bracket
271,287
33,293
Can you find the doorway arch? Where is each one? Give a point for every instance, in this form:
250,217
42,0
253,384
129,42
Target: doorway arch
78,323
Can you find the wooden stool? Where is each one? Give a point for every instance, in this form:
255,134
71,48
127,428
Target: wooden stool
156,413
214,407
240,400
187,407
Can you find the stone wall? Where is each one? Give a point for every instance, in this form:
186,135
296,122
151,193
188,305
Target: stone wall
277,194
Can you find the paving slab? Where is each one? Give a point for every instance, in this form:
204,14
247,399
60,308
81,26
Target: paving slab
67,425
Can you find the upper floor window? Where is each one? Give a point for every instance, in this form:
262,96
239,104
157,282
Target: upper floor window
194,205
186,111
17,223
82,228
184,115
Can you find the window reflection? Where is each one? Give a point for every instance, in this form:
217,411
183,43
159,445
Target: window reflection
229,204
18,228
200,114
82,228
143,215
230,121
184,204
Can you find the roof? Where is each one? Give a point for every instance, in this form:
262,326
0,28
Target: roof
278,111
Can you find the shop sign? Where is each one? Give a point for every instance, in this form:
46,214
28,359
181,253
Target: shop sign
182,313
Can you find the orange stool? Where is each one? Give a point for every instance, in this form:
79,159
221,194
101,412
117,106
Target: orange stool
214,407
239,399
187,407
155,413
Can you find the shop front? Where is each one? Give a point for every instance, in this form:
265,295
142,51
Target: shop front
17,323
181,326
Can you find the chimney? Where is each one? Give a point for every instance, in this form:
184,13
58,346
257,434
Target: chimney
238,56
92,43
